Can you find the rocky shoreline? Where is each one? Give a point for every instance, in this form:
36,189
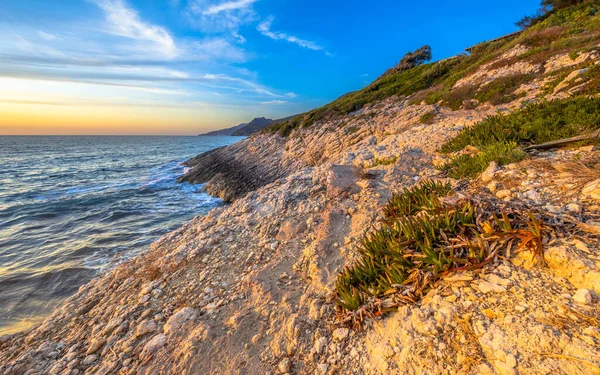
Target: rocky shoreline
249,288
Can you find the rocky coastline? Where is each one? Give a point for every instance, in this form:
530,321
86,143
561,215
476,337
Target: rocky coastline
250,287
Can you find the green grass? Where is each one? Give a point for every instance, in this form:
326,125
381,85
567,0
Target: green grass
384,161
428,118
420,240
501,137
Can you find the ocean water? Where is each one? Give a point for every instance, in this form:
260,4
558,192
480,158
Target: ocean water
71,207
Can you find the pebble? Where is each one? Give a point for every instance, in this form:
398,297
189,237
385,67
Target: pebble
323,368
147,326
553,209
592,190
487,287
89,359
95,345
574,208
285,366
489,173
179,319
155,343
341,334
320,344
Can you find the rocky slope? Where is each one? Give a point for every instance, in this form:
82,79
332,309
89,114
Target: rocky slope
249,288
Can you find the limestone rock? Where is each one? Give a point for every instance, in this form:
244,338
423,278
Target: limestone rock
487,287
488,174
155,343
592,190
147,326
179,319
285,366
95,345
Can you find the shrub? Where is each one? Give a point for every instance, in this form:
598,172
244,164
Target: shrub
428,117
500,137
415,58
420,240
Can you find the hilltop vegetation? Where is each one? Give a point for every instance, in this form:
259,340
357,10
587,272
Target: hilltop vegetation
567,27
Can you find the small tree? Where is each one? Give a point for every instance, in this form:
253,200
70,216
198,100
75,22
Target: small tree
547,7
415,58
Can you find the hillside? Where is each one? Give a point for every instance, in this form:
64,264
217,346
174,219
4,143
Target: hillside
405,228
226,132
253,126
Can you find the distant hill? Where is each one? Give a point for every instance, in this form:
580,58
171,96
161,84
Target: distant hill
246,129
228,131
253,126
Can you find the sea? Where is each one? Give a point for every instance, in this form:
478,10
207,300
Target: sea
73,207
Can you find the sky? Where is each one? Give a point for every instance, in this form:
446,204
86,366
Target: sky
183,67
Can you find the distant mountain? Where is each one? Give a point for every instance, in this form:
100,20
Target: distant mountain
228,131
246,129
253,126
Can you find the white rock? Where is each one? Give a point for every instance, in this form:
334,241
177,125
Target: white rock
489,173
583,296
323,368
553,209
340,334
89,360
155,343
179,319
487,287
533,195
147,326
320,344
592,190
285,366
95,345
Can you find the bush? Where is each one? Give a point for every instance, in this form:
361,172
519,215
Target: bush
415,58
421,240
501,137
428,118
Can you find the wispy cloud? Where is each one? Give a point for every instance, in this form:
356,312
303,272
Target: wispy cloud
126,22
265,29
47,36
275,102
227,17
228,6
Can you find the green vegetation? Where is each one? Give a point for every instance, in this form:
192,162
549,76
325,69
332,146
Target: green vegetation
570,29
428,118
384,161
501,137
420,240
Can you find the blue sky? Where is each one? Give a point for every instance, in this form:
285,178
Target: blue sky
184,66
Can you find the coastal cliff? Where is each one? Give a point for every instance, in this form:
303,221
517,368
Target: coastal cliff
252,287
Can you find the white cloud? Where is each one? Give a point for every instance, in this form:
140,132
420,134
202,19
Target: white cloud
254,87
265,29
228,6
274,102
126,22
214,49
47,36
229,16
